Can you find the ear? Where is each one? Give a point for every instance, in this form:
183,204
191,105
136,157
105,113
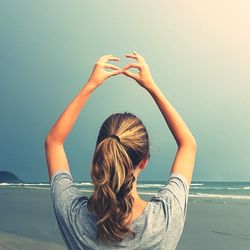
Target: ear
143,163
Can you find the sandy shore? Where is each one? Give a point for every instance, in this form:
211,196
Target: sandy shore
216,224
28,222
13,241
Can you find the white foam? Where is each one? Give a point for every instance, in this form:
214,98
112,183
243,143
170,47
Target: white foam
36,184
40,188
86,190
11,184
150,185
24,184
223,196
197,195
83,184
147,193
221,188
218,188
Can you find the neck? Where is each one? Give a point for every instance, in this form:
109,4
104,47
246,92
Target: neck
134,192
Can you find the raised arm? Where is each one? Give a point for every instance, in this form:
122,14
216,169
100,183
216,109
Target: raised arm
54,143
185,156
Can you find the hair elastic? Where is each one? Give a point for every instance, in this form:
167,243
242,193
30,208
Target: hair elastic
116,137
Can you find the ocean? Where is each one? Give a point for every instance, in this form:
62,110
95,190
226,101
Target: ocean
198,189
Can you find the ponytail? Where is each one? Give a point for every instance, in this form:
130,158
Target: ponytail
111,200
112,174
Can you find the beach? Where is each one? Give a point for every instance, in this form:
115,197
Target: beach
28,222
216,224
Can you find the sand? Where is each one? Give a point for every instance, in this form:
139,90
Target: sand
28,222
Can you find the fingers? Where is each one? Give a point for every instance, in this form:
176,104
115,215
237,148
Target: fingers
108,58
110,66
113,58
130,74
132,65
131,56
136,56
115,72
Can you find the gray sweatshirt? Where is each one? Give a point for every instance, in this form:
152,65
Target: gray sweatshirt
158,227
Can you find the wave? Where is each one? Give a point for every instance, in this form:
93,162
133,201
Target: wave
147,193
223,196
83,184
208,188
86,190
24,184
218,188
197,195
222,188
11,184
197,184
40,188
150,185
194,195
36,184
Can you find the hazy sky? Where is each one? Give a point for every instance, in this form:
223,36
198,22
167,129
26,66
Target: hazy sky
198,53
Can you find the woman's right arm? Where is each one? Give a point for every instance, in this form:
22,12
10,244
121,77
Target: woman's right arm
185,156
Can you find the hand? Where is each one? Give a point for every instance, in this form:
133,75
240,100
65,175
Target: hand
99,74
144,77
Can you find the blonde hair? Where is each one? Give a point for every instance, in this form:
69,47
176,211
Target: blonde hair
112,174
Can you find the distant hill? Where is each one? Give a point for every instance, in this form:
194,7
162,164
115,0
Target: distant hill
9,177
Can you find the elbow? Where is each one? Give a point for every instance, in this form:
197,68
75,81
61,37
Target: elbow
48,139
51,139
194,145
190,144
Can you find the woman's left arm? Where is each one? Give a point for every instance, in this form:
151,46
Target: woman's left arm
54,142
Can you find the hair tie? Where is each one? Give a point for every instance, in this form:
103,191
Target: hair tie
116,137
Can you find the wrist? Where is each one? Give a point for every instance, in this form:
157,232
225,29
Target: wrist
90,86
152,87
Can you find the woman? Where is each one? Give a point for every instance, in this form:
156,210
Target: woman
115,217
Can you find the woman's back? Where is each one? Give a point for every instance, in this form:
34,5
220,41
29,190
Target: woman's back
158,227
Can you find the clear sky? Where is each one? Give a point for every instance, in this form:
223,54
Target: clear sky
198,53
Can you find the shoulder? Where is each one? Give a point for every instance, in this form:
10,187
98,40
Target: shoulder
64,192
174,196
60,174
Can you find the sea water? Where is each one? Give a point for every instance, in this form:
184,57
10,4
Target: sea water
198,189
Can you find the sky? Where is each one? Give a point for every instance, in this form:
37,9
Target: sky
198,53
